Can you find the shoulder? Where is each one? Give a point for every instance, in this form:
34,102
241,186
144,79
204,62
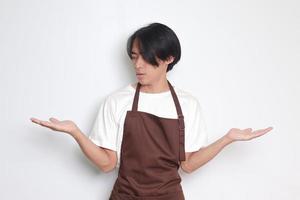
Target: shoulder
186,96
190,104
119,94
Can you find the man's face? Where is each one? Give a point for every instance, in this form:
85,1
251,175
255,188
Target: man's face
145,72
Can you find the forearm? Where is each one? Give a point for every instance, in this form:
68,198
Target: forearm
95,154
201,157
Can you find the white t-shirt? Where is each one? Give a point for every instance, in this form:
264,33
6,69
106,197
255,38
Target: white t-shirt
107,130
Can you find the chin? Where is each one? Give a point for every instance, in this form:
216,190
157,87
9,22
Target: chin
142,81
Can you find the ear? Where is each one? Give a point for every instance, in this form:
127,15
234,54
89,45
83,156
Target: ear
170,59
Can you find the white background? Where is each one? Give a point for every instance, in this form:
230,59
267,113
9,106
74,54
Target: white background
60,58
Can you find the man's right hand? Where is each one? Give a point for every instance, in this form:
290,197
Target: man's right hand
66,126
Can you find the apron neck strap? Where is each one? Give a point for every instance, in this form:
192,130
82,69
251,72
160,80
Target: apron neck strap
174,96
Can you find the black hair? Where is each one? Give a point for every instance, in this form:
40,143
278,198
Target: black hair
156,41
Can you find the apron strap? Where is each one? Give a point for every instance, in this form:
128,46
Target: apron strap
136,97
181,123
179,113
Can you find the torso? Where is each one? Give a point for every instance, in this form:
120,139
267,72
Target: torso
155,103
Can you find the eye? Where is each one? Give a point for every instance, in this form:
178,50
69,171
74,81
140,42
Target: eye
133,57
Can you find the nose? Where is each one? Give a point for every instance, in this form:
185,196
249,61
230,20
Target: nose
139,62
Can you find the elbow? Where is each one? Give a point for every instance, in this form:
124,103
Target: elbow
108,167
186,168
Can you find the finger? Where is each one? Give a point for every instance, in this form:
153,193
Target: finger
248,129
47,124
269,128
43,123
35,120
260,132
54,120
263,130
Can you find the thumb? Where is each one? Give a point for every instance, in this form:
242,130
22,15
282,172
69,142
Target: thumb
54,120
248,129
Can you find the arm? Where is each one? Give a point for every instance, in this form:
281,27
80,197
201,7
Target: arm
194,160
104,159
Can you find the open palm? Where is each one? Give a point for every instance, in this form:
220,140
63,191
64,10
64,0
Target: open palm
236,134
66,126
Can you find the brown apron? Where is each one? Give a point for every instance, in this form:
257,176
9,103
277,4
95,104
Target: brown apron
151,151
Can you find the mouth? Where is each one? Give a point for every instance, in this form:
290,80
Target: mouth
139,75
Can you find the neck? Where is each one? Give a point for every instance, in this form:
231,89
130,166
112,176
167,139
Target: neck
156,87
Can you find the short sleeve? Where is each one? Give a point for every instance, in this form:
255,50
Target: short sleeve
104,130
195,128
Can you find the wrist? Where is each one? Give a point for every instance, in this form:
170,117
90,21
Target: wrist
75,133
227,139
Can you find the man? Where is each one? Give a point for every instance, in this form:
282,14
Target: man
151,128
